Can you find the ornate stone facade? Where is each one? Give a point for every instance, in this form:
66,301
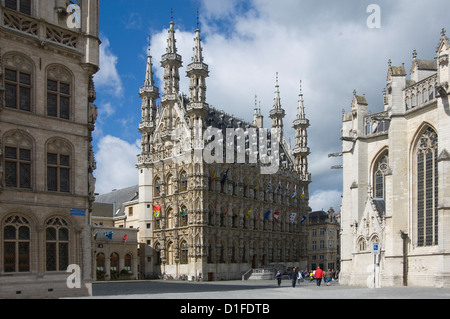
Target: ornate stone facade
396,180
208,207
47,116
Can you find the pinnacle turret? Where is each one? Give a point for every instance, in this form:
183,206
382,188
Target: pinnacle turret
277,114
171,62
301,149
197,71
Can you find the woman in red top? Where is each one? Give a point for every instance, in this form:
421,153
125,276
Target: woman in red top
318,275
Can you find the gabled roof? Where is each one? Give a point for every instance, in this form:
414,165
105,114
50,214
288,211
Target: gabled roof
380,206
116,198
430,65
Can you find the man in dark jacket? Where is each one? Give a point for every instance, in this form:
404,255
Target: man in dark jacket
294,275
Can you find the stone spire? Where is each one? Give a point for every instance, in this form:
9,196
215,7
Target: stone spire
277,114
277,99
301,104
301,149
258,119
171,62
149,81
148,93
197,71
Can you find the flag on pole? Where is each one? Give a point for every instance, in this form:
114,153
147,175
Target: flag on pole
302,196
248,214
303,220
259,215
295,192
157,211
277,190
267,215
125,237
292,217
287,189
257,185
109,235
249,180
226,212
269,186
276,215
214,176
224,178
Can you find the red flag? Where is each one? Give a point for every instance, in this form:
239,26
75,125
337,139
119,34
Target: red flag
276,215
125,238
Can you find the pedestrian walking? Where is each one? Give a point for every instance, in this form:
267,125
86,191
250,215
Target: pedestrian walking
300,277
318,275
294,275
278,276
328,276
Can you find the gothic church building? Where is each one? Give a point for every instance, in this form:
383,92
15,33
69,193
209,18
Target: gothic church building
396,182
216,219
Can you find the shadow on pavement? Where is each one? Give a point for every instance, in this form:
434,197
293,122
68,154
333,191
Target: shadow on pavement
160,287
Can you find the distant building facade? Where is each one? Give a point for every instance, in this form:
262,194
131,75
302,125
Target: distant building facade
396,185
48,56
115,246
323,240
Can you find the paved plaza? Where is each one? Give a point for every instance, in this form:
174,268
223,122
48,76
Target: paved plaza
257,290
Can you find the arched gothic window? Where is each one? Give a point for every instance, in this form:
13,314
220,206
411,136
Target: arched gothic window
184,253
114,265
184,182
18,160
16,245
128,263
157,188
23,6
169,183
170,221
183,216
427,189
59,88
380,170
57,245
59,166
100,266
18,76
362,245
170,254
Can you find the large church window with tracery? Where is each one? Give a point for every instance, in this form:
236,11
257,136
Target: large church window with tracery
427,189
381,169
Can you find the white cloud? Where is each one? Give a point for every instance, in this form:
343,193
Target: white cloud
116,164
108,77
324,199
326,44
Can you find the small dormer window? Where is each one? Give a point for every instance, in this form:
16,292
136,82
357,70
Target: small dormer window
23,6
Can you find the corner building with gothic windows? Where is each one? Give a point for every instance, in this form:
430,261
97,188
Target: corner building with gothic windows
47,115
215,220
396,186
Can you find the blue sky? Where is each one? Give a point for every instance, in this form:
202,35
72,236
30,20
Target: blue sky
325,44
